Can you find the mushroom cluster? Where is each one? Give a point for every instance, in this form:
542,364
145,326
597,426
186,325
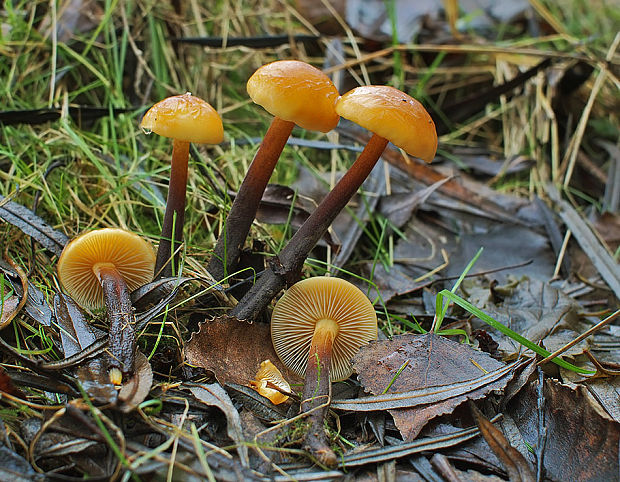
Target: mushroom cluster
319,323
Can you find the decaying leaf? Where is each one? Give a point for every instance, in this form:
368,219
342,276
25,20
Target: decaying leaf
214,395
281,205
233,350
135,390
32,225
76,335
7,386
458,371
8,308
533,309
515,464
35,306
15,468
582,440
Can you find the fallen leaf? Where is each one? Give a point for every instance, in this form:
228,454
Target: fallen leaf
36,305
281,205
582,440
214,395
516,466
32,225
76,334
7,386
457,370
8,307
15,468
136,389
233,350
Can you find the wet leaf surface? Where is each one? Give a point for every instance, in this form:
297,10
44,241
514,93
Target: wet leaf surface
36,305
136,389
32,225
516,466
76,335
214,395
233,350
433,361
582,440
15,468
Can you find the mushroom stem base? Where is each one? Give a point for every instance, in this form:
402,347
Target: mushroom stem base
317,392
122,336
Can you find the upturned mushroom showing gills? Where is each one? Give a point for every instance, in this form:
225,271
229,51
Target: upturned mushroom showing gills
295,93
317,326
100,268
391,115
184,118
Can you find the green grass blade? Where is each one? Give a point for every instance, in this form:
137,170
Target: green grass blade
466,305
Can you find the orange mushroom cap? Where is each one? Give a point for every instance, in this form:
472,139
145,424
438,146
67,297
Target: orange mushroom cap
186,118
269,373
311,300
393,115
296,92
132,256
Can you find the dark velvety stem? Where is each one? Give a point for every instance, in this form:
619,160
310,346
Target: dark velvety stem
122,340
245,205
317,392
172,229
297,249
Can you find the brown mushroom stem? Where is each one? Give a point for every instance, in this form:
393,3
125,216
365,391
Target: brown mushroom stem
245,205
294,254
174,216
122,336
317,391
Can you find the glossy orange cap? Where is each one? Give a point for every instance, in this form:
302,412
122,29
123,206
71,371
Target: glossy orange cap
186,118
393,115
296,92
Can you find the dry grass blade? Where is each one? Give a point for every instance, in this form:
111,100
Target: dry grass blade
423,396
600,256
406,449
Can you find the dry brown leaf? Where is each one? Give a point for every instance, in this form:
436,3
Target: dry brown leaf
136,389
431,361
215,396
517,467
233,350
582,440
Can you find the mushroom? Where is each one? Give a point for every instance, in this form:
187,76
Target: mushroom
184,118
317,326
295,93
100,268
391,115
267,377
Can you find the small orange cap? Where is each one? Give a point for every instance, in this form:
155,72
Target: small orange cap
393,115
269,373
296,92
132,256
186,118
